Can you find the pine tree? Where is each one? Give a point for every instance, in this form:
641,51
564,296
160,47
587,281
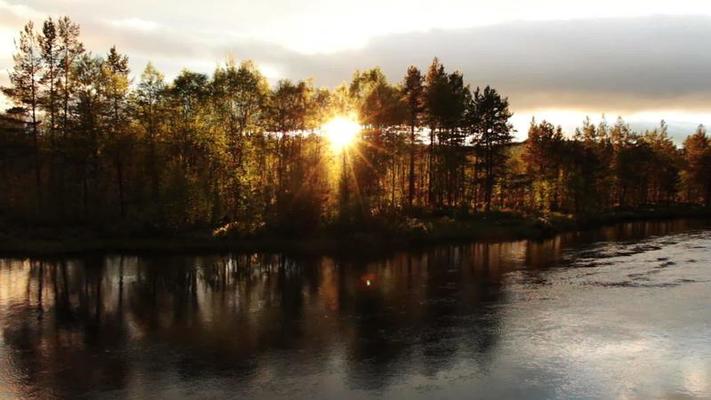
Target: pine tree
49,46
487,121
117,90
25,78
697,155
413,91
70,50
149,106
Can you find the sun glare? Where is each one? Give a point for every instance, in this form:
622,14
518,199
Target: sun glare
341,131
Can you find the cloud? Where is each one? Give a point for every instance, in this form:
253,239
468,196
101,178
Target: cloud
627,64
328,25
612,65
15,14
135,24
615,66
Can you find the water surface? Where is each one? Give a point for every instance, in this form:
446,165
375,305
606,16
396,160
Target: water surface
619,313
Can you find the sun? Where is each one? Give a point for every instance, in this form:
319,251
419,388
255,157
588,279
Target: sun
341,131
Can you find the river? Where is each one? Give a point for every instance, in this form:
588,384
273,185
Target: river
622,312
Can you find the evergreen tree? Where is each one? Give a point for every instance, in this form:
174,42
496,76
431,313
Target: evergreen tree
149,100
119,125
228,152
70,50
26,90
413,91
49,45
697,155
487,121
436,93
543,152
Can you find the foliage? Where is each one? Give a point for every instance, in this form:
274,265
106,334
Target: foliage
231,154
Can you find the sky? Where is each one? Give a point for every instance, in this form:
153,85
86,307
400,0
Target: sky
554,59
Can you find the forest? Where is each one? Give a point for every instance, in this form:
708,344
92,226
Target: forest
88,144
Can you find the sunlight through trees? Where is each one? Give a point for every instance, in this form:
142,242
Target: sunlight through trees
87,145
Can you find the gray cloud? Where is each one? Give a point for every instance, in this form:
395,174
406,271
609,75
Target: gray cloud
624,64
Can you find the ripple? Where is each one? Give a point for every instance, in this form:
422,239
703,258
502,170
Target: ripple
633,284
666,264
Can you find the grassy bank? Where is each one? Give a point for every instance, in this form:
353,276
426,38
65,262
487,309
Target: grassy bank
383,236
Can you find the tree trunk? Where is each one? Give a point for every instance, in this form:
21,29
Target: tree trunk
120,184
430,191
411,188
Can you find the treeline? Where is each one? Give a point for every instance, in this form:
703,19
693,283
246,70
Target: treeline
88,145
603,166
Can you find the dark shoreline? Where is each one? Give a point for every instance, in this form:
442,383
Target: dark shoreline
481,228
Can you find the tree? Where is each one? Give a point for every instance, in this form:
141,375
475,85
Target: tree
451,138
25,78
299,193
436,92
188,93
697,155
382,112
413,92
623,165
542,155
70,50
664,171
194,152
228,152
88,124
240,95
587,169
587,133
288,105
51,57
445,102
116,73
149,106
487,121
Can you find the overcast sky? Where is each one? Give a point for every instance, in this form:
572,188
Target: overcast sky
555,59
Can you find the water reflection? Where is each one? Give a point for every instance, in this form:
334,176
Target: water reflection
272,326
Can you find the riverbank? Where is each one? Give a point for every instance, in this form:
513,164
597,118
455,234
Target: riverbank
387,236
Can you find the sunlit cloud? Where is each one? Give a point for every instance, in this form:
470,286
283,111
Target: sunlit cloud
270,71
320,26
556,59
135,23
12,14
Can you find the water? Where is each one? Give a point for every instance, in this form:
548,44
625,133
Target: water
619,313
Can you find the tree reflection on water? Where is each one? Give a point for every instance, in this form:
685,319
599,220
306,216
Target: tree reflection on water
97,324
